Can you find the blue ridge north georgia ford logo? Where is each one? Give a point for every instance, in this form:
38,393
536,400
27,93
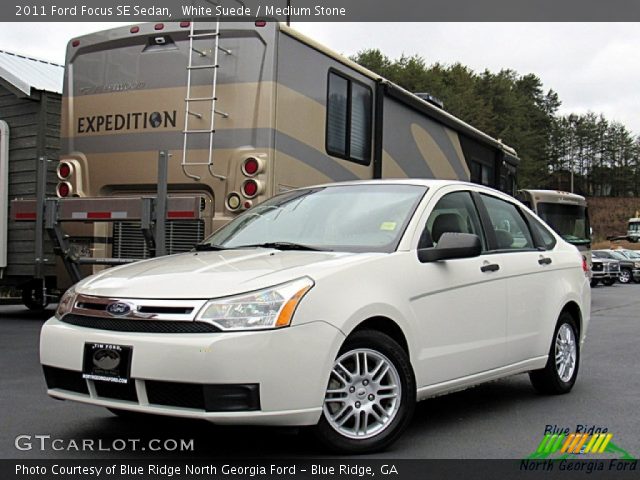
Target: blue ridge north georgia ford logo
118,309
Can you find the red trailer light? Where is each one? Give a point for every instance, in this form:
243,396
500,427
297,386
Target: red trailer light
261,23
251,166
250,188
75,43
185,24
158,26
247,204
63,189
64,170
134,29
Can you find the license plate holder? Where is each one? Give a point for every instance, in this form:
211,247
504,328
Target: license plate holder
107,362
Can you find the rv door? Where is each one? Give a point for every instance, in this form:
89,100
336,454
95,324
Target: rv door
4,192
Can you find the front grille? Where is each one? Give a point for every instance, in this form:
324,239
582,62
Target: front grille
180,236
65,379
211,398
151,309
147,326
117,391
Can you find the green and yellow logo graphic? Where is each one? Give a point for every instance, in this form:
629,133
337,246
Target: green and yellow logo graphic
565,445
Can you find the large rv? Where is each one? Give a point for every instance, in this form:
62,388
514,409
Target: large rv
245,110
566,213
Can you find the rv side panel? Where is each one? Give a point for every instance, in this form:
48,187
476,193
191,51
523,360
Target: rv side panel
308,80
417,146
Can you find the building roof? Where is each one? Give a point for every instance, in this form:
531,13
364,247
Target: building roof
24,74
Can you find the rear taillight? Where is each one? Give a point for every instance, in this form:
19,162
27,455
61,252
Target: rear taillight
63,189
251,166
64,170
250,188
585,265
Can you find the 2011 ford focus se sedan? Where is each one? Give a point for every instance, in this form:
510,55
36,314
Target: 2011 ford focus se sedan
336,307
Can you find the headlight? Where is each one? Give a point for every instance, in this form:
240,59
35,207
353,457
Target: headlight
636,264
272,307
66,302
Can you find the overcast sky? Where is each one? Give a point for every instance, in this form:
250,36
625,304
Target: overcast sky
592,66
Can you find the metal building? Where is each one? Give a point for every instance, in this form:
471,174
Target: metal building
30,102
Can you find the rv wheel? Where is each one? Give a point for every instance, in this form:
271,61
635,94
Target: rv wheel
33,297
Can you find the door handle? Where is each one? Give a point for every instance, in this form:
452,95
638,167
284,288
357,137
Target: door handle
544,261
490,267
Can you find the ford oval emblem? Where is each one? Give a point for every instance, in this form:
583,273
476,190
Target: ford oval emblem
118,309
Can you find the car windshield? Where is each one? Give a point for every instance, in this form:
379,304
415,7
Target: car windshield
569,221
618,256
351,218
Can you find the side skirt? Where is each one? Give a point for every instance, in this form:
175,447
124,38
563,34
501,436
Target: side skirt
477,378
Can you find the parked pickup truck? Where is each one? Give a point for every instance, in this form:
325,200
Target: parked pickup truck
629,269
604,270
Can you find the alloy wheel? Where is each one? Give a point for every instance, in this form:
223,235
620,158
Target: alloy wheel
363,395
566,352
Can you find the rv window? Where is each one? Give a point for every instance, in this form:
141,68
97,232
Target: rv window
348,119
337,111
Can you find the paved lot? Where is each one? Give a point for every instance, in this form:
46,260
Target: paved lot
503,419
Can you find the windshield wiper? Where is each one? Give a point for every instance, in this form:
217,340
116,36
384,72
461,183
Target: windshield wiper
283,246
209,247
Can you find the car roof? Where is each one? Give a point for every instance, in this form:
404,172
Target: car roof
423,182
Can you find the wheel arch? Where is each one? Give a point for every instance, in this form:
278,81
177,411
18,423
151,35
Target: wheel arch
387,326
573,309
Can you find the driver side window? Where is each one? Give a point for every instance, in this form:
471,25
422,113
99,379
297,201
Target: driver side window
455,212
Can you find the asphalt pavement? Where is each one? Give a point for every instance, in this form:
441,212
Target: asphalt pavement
501,419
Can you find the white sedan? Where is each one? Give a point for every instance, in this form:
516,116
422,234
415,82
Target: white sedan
336,307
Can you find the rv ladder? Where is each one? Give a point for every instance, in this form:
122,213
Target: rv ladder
212,99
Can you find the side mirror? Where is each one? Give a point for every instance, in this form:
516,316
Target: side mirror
452,245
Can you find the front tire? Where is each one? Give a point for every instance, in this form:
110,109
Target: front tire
560,373
625,276
609,281
370,397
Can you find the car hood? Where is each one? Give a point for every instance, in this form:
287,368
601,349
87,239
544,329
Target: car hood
203,275
605,260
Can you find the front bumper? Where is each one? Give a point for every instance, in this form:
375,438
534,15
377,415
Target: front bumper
291,366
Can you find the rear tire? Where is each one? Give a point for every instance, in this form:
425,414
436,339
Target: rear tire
560,373
370,396
594,283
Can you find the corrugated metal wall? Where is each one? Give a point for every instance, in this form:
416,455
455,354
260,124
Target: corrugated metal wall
34,124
